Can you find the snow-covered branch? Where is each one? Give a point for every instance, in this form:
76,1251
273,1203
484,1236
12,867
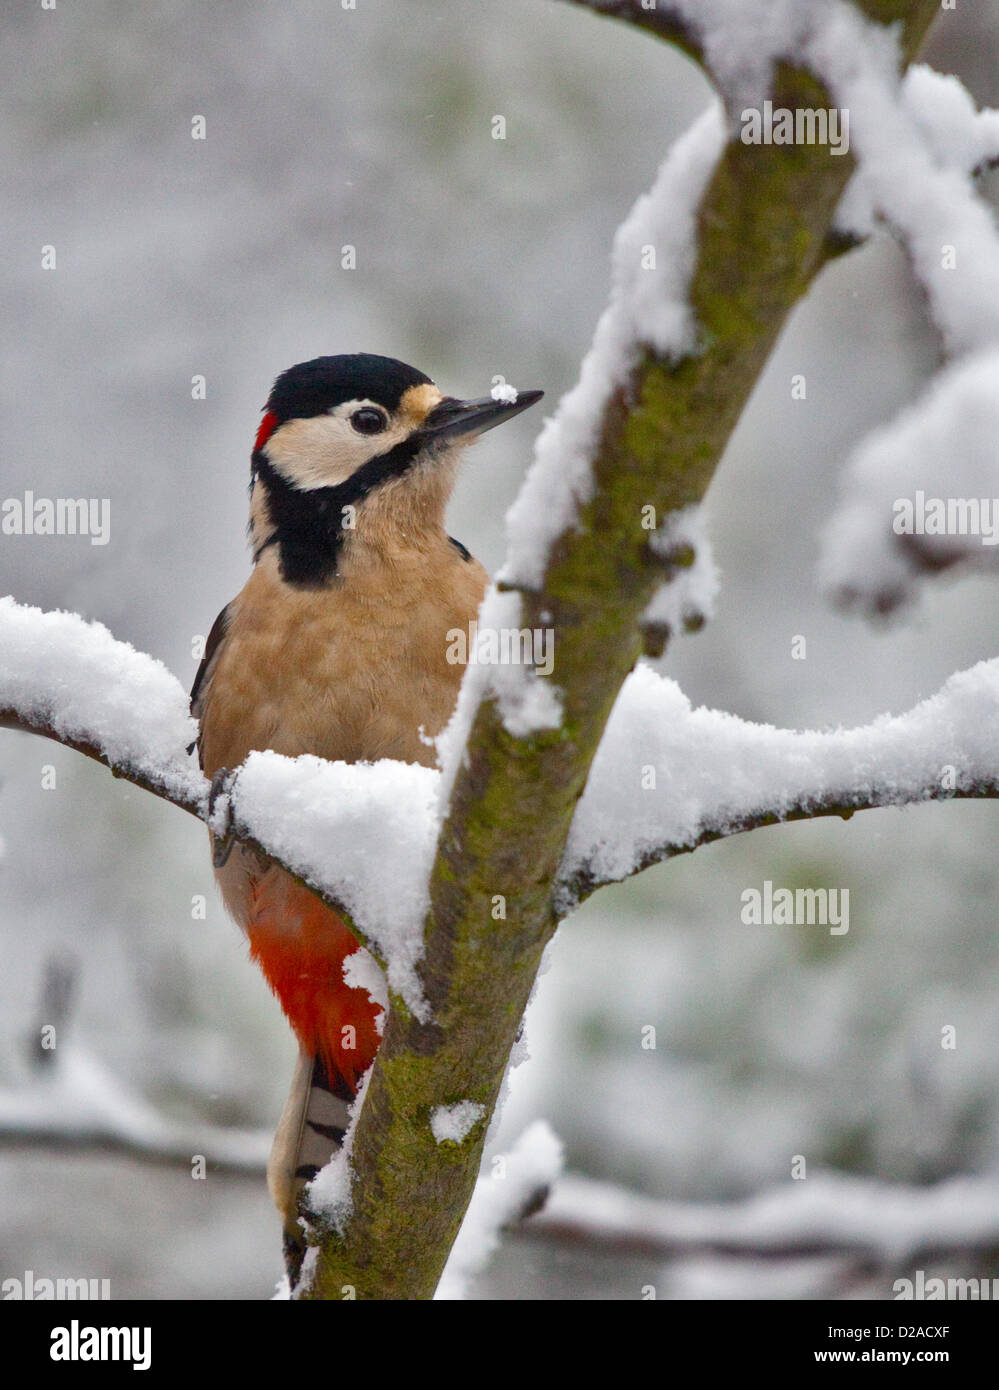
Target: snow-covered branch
328,824
921,493
706,270
668,778
515,1185
75,1102
824,1214
71,681
912,505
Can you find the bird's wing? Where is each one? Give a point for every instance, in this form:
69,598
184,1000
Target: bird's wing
213,648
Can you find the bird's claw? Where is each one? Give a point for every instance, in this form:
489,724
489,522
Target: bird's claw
221,810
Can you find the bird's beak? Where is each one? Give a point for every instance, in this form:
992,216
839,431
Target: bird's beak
454,419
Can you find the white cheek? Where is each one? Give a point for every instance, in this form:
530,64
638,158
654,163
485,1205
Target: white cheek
325,450
320,452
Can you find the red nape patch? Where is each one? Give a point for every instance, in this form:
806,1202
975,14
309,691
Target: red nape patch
300,945
267,427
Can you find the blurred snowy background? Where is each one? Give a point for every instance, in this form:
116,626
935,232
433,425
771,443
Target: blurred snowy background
474,257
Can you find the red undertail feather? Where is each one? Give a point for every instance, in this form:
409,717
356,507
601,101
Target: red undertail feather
300,945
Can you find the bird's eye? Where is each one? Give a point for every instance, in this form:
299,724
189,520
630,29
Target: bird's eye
367,420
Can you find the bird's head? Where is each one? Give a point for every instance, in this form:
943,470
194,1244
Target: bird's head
357,447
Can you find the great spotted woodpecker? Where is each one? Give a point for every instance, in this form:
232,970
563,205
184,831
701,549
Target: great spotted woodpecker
336,646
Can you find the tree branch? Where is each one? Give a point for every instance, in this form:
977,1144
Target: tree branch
661,430
580,885
666,21
74,1102
829,1215
176,785
139,777
668,779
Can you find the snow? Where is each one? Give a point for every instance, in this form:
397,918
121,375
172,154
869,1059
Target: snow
931,204
687,597
527,702
958,135
452,1123
917,146
330,1191
944,446
362,971
330,822
531,1166
363,832
652,262
59,670
75,1096
712,770
823,1209
916,156
917,142
940,116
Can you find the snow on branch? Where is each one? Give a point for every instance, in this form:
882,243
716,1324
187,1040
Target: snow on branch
76,1102
826,1214
953,132
918,142
70,680
929,201
362,834
668,778
516,1184
334,826
706,270
921,494
648,309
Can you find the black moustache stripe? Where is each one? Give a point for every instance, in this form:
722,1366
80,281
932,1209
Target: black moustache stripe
308,524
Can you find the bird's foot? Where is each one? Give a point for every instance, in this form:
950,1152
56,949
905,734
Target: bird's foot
220,818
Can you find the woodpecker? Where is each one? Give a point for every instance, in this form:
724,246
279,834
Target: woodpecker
336,646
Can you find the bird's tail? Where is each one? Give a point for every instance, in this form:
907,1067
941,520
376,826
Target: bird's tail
311,1130
301,946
